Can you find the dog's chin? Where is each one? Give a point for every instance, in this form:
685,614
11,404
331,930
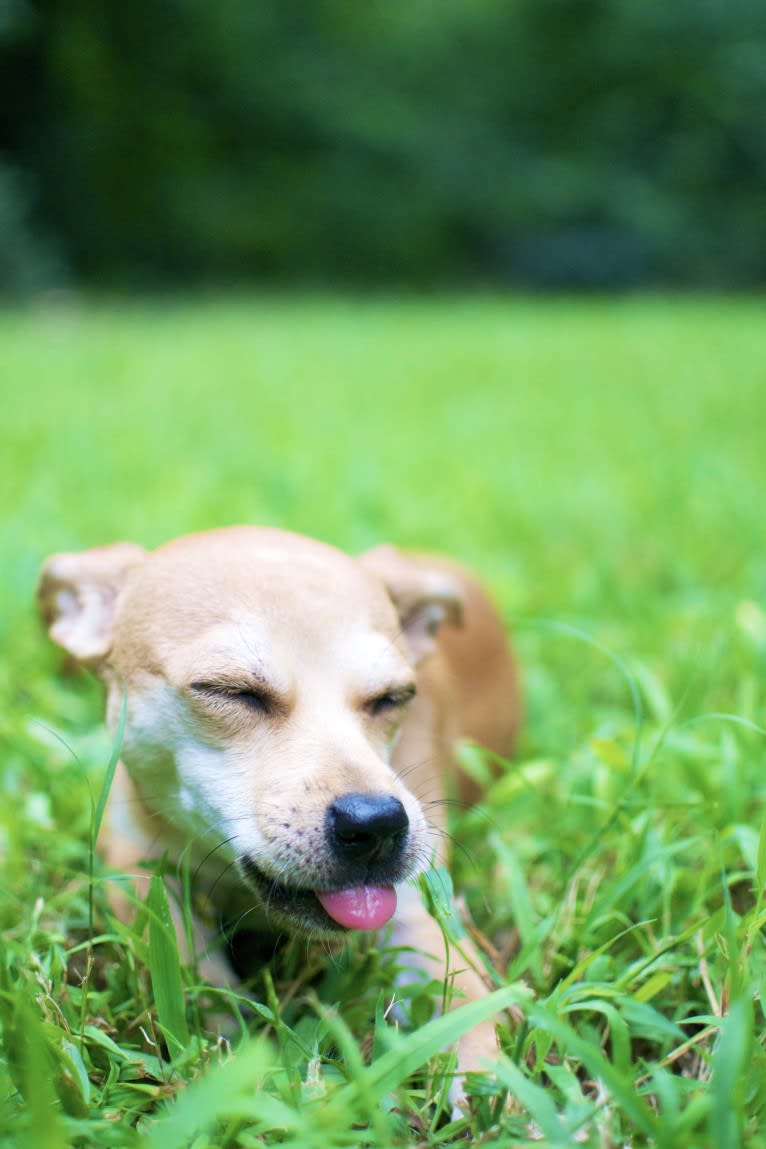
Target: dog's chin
290,907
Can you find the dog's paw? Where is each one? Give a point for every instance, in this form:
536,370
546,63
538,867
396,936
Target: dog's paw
477,1051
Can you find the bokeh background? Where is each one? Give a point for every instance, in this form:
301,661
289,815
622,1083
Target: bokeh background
526,143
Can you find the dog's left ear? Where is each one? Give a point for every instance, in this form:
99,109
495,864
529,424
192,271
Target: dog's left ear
77,594
424,594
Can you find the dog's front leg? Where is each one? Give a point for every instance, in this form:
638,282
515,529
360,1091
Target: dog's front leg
428,956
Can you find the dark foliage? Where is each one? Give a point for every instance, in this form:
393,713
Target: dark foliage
536,142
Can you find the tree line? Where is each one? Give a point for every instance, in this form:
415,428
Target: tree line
535,143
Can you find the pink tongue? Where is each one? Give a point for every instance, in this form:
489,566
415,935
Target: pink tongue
360,908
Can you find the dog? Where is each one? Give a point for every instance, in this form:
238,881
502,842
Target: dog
291,719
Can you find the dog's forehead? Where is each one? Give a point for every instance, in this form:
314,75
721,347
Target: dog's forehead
272,595
251,645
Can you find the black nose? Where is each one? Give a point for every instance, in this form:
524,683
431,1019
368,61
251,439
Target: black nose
367,827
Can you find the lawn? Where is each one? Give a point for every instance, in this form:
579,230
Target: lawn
602,464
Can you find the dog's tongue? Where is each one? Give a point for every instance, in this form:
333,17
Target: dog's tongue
360,908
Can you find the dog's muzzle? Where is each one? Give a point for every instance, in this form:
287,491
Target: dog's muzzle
353,888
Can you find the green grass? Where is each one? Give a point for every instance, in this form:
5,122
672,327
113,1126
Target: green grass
603,465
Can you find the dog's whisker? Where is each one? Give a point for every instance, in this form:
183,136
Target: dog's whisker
405,771
332,951
209,855
455,844
424,796
232,864
457,803
230,931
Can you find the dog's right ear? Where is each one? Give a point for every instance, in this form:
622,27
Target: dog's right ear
424,592
77,594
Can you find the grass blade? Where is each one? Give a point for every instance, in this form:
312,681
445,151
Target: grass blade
230,1090
106,785
537,1102
167,985
729,1061
414,1049
620,1085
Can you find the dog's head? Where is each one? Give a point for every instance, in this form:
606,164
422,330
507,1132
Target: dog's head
267,677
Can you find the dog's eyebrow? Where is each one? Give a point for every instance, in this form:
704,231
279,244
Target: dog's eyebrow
229,678
228,673
390,684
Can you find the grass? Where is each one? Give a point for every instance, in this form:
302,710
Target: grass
602,464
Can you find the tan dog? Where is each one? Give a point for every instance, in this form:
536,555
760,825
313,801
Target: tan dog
287,706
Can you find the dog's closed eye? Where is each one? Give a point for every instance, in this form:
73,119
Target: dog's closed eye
256,698
389,701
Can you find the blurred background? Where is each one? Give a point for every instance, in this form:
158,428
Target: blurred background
539,144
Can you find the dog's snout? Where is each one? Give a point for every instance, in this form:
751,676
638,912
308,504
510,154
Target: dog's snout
367,827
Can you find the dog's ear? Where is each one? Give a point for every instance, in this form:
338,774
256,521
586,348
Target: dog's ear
424,593
77,595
